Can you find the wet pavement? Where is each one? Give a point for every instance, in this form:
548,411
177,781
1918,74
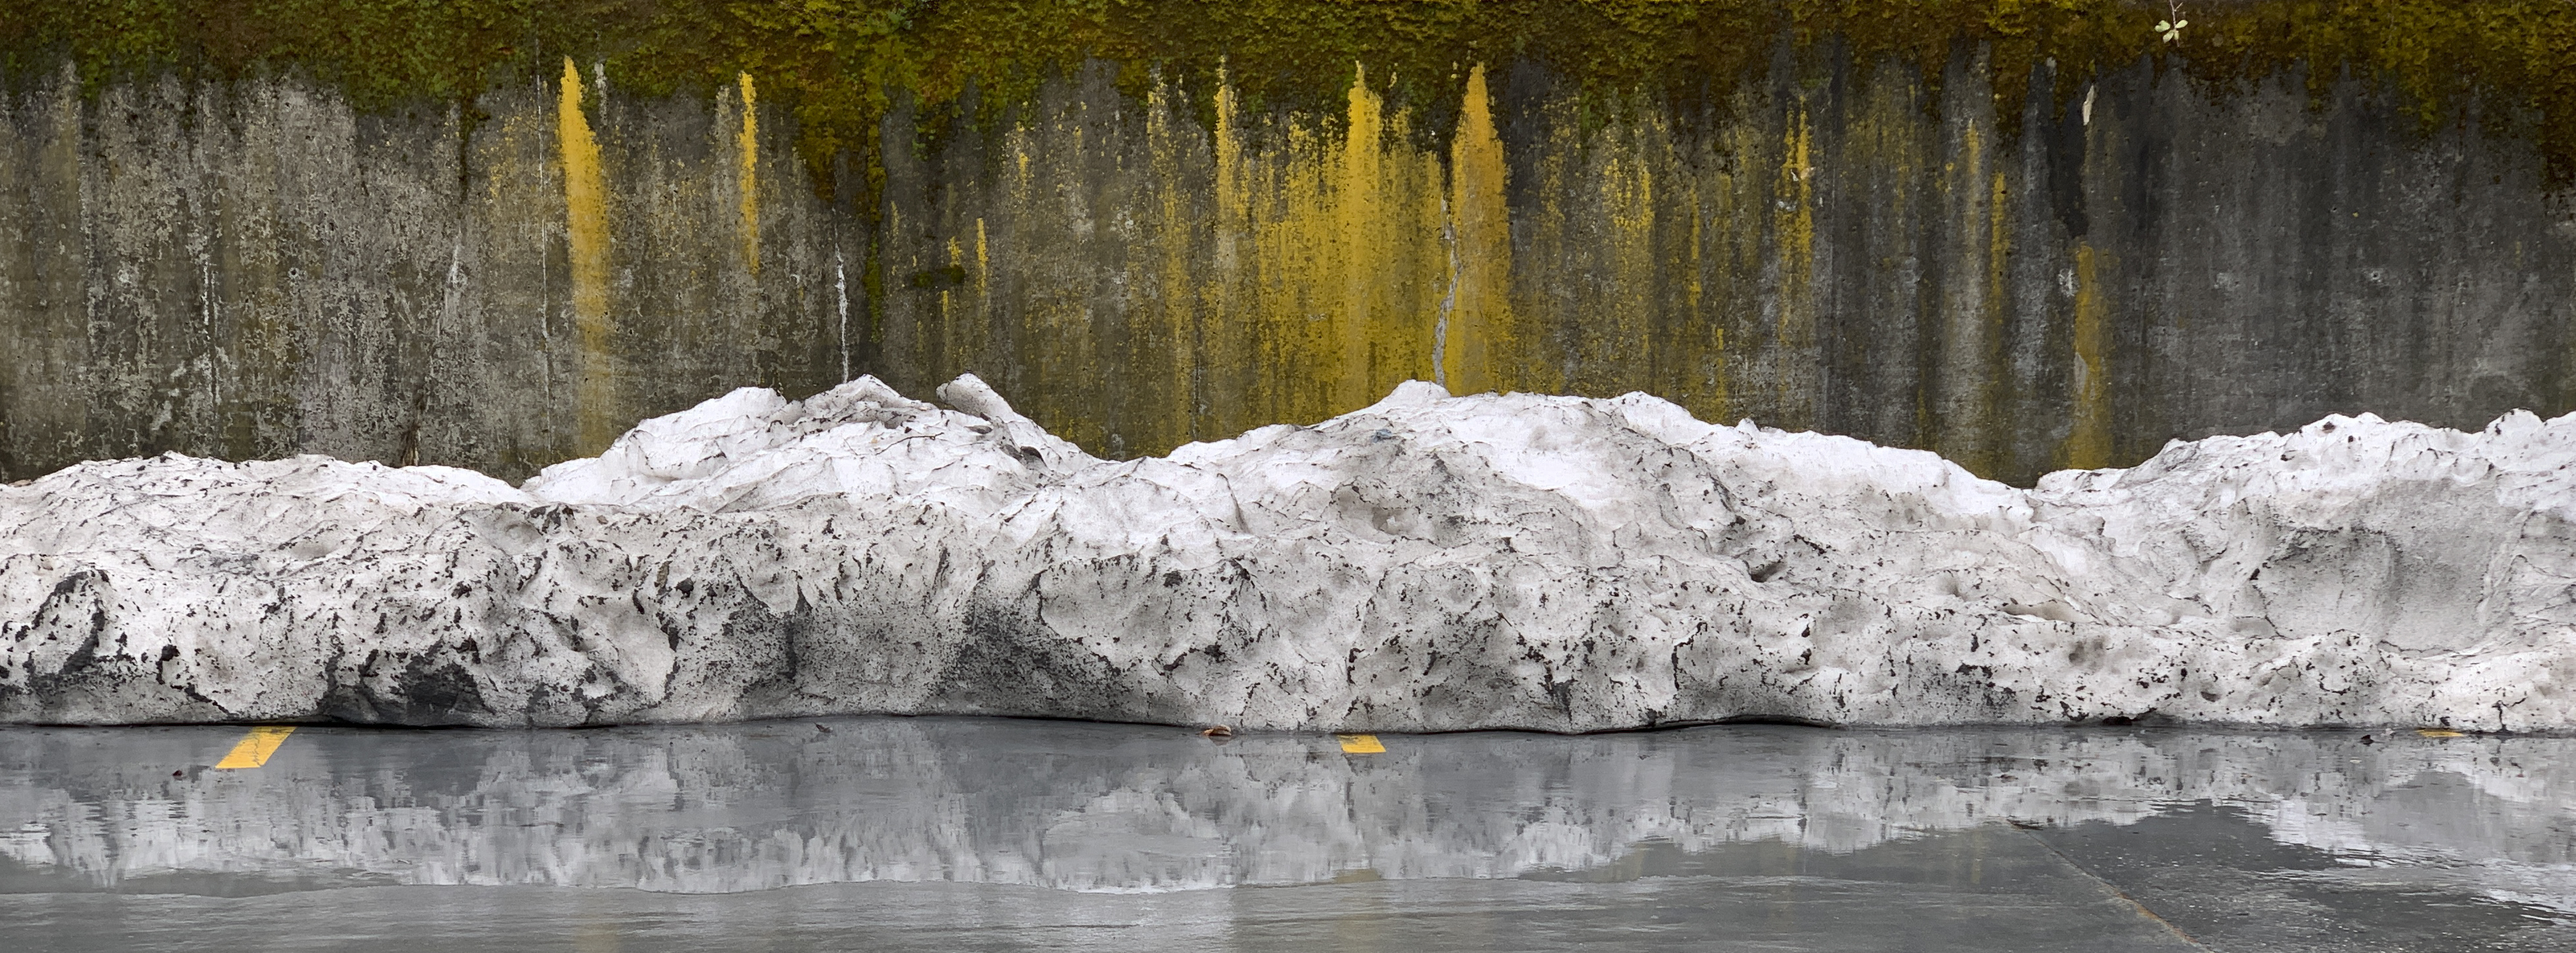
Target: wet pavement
991,834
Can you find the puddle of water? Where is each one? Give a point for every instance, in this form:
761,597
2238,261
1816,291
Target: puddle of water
2258,840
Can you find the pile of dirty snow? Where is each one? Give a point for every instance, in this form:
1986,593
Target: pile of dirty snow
1428,563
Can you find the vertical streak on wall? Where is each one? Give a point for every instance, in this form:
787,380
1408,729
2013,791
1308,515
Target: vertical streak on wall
953,333
196,261
1880,375
1359,222
1794,225
747,178
1291,321
1168,350
1479,351
1969,316
841,300
586,245
1999,248
2088,440
1624,356
982,277
1418,326
1013,288
1227,366
1711,402
1546,240
46,351
1276,316
1737,192
1317,274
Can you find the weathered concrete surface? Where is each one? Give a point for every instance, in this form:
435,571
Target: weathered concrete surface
254,270
251,269
1428,563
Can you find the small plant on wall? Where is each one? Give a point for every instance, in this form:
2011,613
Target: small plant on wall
2171,26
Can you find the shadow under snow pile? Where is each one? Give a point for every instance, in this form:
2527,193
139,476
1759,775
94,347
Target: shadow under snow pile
1429,563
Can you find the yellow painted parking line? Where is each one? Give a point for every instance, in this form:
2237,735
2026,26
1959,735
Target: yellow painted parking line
254,748
1361,744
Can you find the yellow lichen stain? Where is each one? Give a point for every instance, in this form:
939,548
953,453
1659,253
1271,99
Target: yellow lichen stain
1476,351
1359,213
1998,246
1233,398
1794,228
1735,260
1551,233
1284,198
2088,440
586,244
1232,205
1717,404
1887,151
1330,259
980,289
1692,284
1282,267
1997,296
983,260
1973,315
1711,402
1169,354
1618,353
1049,322
747,178
959,342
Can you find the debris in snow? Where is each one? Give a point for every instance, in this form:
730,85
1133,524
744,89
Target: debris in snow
1427,563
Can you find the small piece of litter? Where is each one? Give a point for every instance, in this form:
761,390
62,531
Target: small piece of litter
2437,733
1217,731
1360,744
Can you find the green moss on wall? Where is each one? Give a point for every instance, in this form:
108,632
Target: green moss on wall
838,65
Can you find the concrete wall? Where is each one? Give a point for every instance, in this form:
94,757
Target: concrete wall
253,269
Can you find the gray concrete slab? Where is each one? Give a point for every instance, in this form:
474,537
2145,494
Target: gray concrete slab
988,834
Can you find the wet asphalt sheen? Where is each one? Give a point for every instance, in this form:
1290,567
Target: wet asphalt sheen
993,834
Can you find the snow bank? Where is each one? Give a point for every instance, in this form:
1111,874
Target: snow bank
1428,563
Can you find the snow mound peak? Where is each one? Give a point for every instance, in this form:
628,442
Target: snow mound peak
1431,562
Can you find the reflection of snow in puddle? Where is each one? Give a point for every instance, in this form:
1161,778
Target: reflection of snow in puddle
2551,887
2447,819
1122,809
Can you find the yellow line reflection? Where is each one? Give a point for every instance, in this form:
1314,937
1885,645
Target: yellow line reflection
254,748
